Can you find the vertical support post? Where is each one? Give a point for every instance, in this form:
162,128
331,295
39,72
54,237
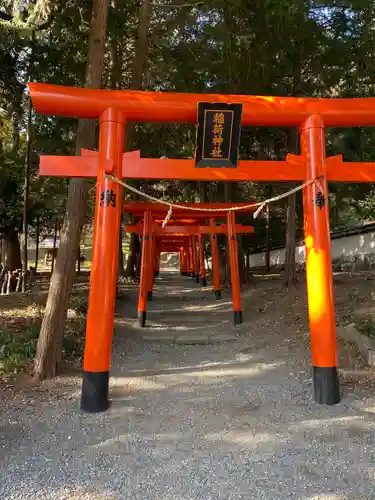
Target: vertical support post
215,262
202,268
101,308
145,265
319,265
234,269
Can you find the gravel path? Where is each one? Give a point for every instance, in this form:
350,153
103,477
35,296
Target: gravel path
225,421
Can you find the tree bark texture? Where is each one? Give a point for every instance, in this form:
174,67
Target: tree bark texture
116,53
202,188
12,250
130,263
138,67
268,250
290,244
37,236
290,276
49,353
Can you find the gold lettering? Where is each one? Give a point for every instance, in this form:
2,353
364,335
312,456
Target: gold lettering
218,130
217,153
217,141
219,119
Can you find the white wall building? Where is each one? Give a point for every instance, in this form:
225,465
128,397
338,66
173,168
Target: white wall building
355,245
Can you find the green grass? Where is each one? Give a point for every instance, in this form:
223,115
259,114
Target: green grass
20,326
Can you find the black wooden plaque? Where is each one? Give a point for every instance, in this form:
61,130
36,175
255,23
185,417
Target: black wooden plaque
218,134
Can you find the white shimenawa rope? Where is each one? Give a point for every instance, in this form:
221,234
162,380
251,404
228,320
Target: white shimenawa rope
171,205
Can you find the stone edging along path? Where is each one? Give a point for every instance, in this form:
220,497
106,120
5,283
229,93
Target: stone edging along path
365,345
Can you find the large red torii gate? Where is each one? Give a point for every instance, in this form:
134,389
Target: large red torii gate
115,108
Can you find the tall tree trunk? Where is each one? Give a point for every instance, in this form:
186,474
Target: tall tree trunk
12,250
27,168
37,243
228,191
290,276
267,252
138,67
116,53
49,355
141,45
132,257
116,50
202,188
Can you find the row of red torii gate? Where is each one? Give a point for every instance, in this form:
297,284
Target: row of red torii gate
187,237
110,165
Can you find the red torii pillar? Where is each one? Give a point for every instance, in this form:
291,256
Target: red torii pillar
234,270
319,265
146,268
100,314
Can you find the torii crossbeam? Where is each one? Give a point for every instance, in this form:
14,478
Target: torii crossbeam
114,108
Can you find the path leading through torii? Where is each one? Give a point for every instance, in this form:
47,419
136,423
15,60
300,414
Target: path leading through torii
183,311
231,421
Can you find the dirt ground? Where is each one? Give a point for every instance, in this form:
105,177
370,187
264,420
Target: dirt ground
264,300
200,409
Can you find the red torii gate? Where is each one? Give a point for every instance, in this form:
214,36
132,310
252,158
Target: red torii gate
191,236
214,211
115,108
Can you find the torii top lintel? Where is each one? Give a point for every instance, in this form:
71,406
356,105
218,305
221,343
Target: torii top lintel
169,107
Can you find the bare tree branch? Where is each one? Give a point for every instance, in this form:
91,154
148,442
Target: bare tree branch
182,6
